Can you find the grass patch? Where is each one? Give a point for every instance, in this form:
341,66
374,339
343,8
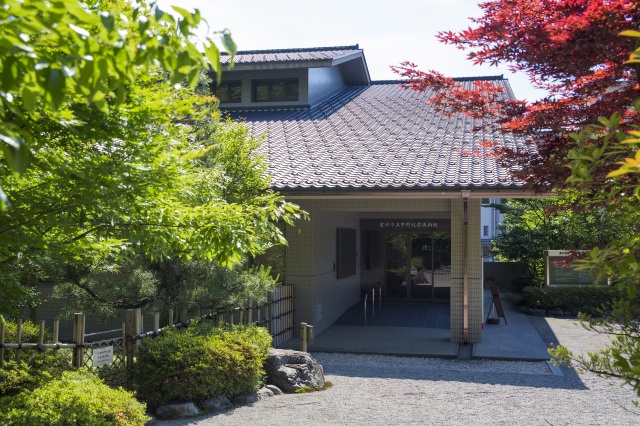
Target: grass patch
307,389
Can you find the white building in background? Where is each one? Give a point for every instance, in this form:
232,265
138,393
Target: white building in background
490,218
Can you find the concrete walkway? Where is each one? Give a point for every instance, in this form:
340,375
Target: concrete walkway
516,341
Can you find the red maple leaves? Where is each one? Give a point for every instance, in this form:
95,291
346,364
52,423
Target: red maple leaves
570,48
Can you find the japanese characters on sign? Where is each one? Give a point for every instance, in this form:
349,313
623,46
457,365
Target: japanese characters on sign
428,225
394,224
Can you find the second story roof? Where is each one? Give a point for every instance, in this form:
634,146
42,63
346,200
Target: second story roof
292,55
351,58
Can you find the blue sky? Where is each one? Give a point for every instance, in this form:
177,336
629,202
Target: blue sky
388,31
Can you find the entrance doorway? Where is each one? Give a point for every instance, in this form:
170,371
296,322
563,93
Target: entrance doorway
418,266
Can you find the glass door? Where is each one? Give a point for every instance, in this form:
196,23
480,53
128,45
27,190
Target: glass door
418,266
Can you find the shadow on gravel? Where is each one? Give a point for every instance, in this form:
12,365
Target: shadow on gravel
568,380
537,374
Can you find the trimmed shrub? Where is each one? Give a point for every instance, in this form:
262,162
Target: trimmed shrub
33,372
587,299
77,398
200,362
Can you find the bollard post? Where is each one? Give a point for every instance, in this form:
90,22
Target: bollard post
310,334
303,337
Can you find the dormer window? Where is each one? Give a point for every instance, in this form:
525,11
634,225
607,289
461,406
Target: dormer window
229,92
274,90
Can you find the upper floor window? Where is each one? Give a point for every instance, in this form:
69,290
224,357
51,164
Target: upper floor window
274,90
485,201
229,92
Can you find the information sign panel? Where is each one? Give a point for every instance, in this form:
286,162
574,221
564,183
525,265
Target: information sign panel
560,272
102,356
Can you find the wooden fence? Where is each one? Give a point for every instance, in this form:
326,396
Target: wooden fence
111,356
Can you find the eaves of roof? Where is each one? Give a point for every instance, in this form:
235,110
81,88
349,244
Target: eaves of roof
409,193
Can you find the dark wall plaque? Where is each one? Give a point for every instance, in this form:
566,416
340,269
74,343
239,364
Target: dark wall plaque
346,252
406,225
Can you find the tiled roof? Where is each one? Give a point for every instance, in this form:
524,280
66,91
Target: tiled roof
288,55
375,137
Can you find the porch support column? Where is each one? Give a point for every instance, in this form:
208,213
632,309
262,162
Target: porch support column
466,271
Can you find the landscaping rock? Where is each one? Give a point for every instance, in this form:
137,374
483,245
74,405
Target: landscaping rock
264,393
292,370
537,312
217,404
276,390
246,399
177,411
558,313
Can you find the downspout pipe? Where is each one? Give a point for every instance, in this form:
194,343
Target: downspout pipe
465,278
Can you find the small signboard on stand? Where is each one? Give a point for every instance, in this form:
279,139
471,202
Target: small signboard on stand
496,306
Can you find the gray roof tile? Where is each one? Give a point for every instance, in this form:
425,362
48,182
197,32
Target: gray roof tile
378,137
291,55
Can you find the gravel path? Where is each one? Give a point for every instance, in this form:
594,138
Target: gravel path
381,390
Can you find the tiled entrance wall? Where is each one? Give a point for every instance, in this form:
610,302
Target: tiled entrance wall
320,298
474,271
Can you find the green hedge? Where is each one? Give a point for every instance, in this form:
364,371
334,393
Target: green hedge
199,362
574,299
77,398
32,372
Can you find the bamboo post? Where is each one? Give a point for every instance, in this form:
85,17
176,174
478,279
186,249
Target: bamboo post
56,335
19,340
2,330
170,317
156,321
290,310
130,337
78,339
138,323
268,314
41,336
276,311
123,347
259,312
250,318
